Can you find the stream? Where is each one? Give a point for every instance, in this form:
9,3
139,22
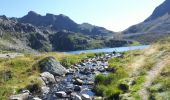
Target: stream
79,81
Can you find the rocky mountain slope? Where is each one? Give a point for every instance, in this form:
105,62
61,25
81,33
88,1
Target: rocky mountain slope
155,26
34,32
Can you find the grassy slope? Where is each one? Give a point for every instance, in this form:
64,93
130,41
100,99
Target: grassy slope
20,71
134,67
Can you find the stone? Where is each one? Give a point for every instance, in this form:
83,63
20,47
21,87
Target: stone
78,81
45,89
69,91
90,83
77,88
51,65
77,97
36,98
25,91
86,97
61,94
22,96
48,78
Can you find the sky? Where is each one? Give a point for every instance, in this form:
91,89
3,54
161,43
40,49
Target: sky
115,15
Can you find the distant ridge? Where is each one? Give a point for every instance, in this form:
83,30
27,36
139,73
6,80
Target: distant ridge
34,32
62,22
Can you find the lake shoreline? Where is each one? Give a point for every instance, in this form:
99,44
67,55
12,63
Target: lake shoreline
109,50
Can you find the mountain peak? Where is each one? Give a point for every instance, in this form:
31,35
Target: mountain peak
32,13
161,10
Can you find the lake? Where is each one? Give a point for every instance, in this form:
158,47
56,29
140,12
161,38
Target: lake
105,50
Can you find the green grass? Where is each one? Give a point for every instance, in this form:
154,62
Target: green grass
108,86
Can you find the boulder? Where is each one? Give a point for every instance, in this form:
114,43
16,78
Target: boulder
86,97
47,78
23,96
50,64
61,94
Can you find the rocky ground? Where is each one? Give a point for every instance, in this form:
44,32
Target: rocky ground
75,83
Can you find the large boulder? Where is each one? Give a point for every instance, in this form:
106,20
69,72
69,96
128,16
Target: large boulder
50,64
23,96
48,78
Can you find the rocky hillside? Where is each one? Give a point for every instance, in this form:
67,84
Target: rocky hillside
155,26
34,32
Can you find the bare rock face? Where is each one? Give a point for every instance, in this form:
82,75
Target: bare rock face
51,65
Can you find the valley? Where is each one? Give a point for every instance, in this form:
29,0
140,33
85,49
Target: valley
49,56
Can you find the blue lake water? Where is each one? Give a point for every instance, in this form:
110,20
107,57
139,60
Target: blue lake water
117,49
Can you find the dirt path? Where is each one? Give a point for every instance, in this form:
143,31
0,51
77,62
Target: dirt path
151,75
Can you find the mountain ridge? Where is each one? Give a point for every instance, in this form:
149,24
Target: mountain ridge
53,33
156,26
62,22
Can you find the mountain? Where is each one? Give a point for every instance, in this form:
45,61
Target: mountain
62,22
155,26
34,32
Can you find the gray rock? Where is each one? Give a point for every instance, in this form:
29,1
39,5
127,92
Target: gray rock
23,96
77,88
50,64
78,82
86,97
77,97
47,78
45,89
61,94
36,98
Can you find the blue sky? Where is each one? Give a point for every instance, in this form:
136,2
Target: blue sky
115,15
